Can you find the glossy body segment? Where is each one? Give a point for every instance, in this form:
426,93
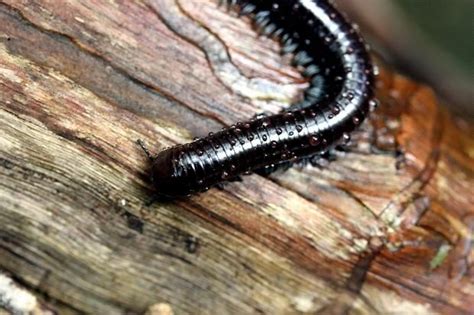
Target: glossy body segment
336,63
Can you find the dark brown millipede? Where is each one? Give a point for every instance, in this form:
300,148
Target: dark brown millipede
336,63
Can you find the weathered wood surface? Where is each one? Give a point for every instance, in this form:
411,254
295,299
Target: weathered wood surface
385,229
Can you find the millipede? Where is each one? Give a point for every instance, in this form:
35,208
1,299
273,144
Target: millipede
337,65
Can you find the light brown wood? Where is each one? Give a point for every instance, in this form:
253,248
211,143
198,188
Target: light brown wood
387,228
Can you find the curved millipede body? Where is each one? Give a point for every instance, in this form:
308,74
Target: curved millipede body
338,67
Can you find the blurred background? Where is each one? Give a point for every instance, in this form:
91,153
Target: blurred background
428,40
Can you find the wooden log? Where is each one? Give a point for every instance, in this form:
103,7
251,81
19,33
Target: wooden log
386,228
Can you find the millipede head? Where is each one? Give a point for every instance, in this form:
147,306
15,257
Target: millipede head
167,176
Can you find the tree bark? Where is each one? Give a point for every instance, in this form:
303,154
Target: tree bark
386,228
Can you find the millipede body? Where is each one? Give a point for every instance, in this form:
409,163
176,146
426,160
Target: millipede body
334,59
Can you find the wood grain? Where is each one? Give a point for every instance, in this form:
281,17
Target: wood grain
386,228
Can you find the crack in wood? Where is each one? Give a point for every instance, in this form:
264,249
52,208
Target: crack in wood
157,95
180,22
396,206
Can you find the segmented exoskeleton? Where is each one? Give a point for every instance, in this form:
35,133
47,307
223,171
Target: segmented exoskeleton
335,61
